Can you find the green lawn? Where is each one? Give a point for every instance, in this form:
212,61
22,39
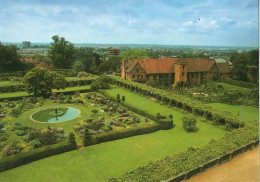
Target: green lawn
245,112
112,159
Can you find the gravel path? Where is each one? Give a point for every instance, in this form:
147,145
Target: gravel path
243,168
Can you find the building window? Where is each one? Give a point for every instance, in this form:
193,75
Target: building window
133,76
137,70
138,76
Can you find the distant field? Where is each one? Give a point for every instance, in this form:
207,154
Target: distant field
112,159
245,112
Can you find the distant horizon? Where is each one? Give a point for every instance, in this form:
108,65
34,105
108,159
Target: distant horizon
181,45
161,22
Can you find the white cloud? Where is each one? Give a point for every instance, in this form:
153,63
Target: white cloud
187,23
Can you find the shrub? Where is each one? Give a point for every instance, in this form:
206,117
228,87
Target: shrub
189,123
71,138
123,98
82,74
86,137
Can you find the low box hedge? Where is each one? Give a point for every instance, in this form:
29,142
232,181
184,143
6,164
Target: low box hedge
239,83
36,154
119,134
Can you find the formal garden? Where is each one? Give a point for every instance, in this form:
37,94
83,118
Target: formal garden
165,132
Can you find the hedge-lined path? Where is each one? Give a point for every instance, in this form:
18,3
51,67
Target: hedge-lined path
243,168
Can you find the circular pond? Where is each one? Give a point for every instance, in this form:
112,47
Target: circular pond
55,115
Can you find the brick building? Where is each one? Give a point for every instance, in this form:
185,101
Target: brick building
37,62
192,70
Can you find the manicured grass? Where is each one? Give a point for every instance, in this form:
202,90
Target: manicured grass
112,159
245,112
14,94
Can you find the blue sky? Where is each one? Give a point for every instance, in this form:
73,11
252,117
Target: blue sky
170,22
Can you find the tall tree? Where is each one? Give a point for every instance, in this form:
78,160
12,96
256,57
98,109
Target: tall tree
61,52
112,64
87,58
240,66
9,59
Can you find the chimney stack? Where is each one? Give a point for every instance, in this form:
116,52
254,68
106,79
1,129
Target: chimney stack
129,57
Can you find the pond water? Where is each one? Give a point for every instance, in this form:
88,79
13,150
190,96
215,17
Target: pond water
44,115
70,114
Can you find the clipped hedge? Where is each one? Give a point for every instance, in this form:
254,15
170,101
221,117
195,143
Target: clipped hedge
197,108
36,154
239,83
70,82
119,134
186,164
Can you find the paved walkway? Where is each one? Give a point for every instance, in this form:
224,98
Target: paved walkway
243,168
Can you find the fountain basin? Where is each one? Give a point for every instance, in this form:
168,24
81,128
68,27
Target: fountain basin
48,115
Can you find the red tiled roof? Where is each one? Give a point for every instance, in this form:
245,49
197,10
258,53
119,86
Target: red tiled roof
223,67
152,66
35,61
199,64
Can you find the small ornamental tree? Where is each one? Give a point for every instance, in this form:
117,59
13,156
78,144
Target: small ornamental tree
118,97
189,123
123,98
86,137
71,138
41,81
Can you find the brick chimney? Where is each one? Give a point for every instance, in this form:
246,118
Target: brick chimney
129,56
123,68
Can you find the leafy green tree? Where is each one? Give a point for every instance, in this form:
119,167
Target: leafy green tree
254,63
41,81
103,82
189,123
123,98
78,66
87,57
9,59
61,52
135,54
240,66
112,64
231,96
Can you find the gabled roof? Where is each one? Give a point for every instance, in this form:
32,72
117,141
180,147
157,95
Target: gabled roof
224,67
199,64
152,66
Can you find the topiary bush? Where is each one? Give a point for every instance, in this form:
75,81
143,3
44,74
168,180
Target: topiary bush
189,123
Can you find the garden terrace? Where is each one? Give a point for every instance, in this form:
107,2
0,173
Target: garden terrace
172,99
11,86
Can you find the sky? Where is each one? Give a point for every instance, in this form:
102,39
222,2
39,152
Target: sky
161,22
